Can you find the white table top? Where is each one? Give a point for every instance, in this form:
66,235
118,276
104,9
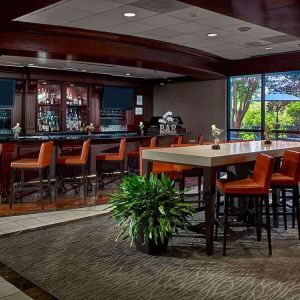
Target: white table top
230,153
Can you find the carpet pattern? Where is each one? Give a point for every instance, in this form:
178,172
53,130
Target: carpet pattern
81,260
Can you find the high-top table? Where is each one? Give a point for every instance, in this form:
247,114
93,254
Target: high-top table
210,160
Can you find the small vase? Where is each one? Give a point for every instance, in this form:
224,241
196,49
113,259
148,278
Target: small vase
142,132
216,144
89,133
268,139
16,135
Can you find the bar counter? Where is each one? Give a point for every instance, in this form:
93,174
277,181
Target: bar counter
11,147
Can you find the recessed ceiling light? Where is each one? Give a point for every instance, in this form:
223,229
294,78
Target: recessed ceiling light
127,74
30,65
269,48
44,82
212,34
243,29
83,70
129,14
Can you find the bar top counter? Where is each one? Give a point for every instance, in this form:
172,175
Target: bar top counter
75,136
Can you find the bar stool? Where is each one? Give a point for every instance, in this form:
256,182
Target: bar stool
42,164
178,139
288,178
74,161
166,168
256,187
133,156
200,139
118,157
190,171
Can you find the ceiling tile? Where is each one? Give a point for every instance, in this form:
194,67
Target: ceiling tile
64,13
159,33
125,1
129,28
41,20
161,20
191,13
160,6
94,6
183,39
204,43
219,21
189,27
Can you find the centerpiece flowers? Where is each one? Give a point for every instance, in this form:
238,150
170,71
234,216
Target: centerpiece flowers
17,130
268,130
90,128
141,125
215,131
167,123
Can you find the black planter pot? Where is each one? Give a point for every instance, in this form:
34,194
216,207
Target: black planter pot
148,246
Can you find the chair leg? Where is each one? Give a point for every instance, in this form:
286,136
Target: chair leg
268,224
257,218
226,204
11,196
199,189
293,209
296,201
217,214
22,183
284,208
84,182
49,184
275,207
41,186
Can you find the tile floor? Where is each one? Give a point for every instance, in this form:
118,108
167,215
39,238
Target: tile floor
10,292
14,224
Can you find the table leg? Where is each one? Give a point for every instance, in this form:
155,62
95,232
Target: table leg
209,189
146,166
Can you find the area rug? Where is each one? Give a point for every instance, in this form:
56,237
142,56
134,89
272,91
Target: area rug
82,260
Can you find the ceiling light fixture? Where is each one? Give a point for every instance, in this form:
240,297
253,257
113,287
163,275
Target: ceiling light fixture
269,48
244,29
212,34
127,74
83,70
30,65
129,14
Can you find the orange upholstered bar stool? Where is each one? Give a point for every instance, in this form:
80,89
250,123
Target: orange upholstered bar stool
200,139
256,187
41,164
118,157
178,139
133,156
166,168
189,171
74,161
287,178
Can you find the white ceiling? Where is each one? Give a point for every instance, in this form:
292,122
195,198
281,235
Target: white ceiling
77,66
167,20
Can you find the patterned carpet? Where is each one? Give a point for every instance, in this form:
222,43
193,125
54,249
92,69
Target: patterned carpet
81,260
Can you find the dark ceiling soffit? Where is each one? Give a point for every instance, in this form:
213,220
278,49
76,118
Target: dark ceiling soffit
85,45
12,9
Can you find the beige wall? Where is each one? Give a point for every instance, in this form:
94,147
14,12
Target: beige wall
199,104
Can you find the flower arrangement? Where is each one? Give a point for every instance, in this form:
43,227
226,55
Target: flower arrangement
268,130
215,131
141,126
167,118
17,130
90,128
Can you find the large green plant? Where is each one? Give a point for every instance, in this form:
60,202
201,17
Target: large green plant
150,206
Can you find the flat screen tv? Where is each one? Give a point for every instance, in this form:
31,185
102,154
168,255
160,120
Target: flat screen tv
118,98
7,93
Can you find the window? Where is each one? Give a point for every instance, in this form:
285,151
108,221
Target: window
257,100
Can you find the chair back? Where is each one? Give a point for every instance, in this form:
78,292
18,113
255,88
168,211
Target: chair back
85,151
153,141
45,154
122,149
178,139
291,165
263,171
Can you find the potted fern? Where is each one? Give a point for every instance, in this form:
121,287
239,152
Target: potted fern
148,210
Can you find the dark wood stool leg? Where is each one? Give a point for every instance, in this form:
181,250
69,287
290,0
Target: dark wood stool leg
11,196
22,184
258,218
199,189
49,184
268,223
83,168
296,201
293,209
275,207
41,186
217,214
226,204
284,208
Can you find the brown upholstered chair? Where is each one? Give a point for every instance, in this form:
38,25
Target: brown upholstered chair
257,188
74,161
118,157
287,179
41,164
133,156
